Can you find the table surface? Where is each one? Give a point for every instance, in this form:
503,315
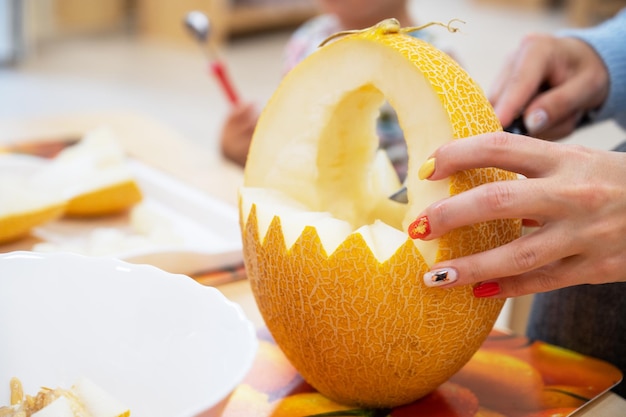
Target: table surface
161,147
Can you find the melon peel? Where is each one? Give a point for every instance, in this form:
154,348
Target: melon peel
335,276
15,226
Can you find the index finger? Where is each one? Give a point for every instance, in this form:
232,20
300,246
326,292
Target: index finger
517,153
521,79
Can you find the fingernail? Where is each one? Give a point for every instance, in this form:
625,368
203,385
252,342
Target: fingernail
427,169
536,120
420,228
486,289
440,277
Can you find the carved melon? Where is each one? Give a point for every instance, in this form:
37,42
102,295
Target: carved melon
334,273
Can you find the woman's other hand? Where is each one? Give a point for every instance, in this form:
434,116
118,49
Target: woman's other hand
553,82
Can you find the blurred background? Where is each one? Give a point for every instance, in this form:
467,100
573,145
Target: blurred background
66,58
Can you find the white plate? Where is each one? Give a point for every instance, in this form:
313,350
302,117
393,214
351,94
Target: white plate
162,344
207,234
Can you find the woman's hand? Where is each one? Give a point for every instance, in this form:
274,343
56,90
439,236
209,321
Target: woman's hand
237,132
553,82
574,196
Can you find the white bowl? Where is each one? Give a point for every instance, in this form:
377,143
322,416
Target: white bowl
162,344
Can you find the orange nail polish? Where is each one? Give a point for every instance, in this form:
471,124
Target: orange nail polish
486,289
420,228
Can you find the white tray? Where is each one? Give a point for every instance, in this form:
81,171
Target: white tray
206,229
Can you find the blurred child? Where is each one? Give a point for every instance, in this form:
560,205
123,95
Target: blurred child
337,15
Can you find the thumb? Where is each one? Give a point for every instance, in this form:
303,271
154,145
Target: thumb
559,105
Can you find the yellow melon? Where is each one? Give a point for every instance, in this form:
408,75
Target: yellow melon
334,273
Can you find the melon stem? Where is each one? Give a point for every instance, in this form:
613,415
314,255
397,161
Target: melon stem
391,26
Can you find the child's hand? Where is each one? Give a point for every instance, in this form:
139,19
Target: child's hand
237,132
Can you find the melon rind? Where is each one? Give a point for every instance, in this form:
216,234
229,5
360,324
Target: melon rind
362,332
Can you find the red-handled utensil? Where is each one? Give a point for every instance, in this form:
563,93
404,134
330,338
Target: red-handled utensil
219,71
199,26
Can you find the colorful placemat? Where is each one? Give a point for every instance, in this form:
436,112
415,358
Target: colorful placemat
510,376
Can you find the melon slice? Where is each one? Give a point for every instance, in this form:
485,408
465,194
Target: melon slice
84,399
96,401
335,276
93,176
60,407
22,209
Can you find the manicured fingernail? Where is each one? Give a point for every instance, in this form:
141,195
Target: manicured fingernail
427,169
486,289
536,120
440,277
420,228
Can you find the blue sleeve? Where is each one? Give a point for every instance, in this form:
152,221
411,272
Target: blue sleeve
609,41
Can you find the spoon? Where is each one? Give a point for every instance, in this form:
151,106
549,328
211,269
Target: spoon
199,26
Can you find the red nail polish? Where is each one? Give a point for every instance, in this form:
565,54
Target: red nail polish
486,289
420,228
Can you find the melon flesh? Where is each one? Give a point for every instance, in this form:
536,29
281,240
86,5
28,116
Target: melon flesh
323,155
